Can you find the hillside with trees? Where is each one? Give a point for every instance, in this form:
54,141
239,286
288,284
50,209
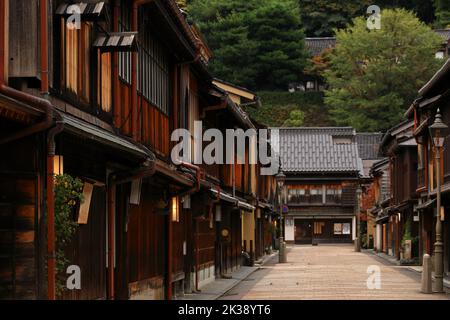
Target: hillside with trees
260,44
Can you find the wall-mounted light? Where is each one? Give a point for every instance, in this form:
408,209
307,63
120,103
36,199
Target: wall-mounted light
175,207
58,165
218,213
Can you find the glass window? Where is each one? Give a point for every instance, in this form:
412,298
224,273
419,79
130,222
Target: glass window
346,228
297,196
338,228
333,195
125,57
154,68
316,195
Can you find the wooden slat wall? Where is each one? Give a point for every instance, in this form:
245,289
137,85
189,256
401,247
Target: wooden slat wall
206,239
17,236
88,251
178,238
146,244
152,126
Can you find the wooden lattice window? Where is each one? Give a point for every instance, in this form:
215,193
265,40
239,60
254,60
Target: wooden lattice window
76,53
104,82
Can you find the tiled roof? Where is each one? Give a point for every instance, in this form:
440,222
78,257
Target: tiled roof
368,145
444,33
317,45
310,150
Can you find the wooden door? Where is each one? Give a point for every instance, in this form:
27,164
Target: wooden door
303,231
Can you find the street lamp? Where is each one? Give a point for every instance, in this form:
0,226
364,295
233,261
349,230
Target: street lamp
438,132
281,178
358,220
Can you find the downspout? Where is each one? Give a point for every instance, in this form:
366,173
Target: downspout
42,104
51,258
114,179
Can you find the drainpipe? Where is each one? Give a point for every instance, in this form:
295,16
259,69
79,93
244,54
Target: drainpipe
114,179
51,259
42,104
198,176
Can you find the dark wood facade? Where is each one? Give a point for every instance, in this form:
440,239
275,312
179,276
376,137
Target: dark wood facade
111,112
433,96
400,147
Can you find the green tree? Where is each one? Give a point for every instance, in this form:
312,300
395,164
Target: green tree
321,17
296,119
256,43
374,75
442,13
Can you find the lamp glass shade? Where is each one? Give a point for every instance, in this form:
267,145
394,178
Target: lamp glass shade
280,178
438,131
58,165
175,210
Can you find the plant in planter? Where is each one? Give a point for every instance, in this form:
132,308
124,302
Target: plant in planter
68,194
407,241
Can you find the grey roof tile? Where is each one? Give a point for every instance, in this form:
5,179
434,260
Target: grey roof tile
317,45
319,150
368,144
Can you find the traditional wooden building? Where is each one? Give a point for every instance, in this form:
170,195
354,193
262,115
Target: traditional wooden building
422,112
381,187
94,90
321,181
400,147
368,145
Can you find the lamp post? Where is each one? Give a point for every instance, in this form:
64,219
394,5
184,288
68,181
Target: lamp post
280,178
438,132
358,220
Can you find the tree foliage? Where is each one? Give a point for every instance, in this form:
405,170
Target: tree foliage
321,17
258,44
442,13
277,107
68,193
296,119
375,74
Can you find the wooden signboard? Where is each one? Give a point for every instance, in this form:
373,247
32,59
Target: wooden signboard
83,213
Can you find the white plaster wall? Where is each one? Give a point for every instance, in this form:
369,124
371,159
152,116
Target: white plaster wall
289,230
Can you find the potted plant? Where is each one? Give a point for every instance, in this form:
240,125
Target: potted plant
68,194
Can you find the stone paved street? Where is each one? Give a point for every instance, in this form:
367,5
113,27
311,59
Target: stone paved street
329,272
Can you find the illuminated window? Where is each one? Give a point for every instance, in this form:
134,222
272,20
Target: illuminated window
318,227
175,209
337,228
75,56
104,82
